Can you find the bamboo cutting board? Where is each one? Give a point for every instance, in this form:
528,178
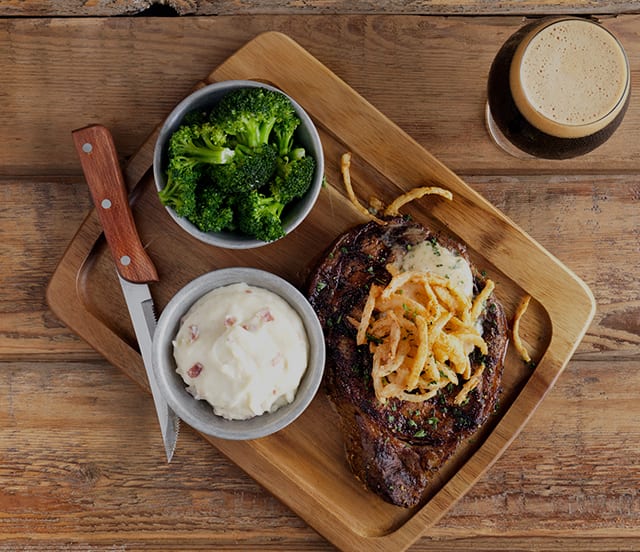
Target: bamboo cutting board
304,465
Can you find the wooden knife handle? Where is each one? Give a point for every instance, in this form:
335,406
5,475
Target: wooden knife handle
99,160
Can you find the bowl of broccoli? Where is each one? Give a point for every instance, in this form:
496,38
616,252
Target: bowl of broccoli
238,164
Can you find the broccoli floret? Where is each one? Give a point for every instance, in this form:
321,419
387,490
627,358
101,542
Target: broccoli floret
180,191
283,132
199,144
197,117
293,176
214,211
248,169
250,114
259,216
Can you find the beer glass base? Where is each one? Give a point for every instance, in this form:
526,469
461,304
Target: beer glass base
500,139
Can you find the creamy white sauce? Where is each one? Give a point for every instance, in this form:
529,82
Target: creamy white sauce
431,257
243,349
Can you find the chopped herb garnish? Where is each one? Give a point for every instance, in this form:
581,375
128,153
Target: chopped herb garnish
435,247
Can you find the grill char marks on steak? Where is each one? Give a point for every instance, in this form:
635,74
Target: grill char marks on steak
394,448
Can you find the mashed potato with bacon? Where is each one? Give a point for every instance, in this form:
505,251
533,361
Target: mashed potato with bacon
243,349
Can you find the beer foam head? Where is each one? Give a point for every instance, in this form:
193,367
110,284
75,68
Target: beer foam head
570,78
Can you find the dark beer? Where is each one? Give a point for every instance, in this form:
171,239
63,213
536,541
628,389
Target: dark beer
558,88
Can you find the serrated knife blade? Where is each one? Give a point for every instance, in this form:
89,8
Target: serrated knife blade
101,168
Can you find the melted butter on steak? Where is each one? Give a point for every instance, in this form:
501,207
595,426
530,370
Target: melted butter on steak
394,448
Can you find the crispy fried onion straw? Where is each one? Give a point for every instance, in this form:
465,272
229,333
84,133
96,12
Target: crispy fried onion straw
345,166
515,329
416,193
421,331
394,207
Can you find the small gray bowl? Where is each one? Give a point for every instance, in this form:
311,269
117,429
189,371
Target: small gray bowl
205,98
199,413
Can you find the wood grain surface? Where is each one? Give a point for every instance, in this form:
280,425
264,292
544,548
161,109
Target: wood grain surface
75,8
438,67
77,467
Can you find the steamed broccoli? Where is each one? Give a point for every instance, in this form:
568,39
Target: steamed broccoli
191,148
248,169
259,216
250,114
293,176
236,166
180,191
214,210
193,145
283,132
196,117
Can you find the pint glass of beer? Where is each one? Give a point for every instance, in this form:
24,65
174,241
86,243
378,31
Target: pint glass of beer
558,88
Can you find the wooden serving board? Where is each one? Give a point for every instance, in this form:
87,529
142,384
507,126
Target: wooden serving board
304,465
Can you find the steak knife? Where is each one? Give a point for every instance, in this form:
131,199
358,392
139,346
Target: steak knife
101,168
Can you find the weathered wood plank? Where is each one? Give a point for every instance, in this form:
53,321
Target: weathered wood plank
86,458
590,222
75,8
37,221
426,74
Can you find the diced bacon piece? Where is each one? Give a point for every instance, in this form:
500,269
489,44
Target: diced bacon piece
195,370
229,321
194,333
265,315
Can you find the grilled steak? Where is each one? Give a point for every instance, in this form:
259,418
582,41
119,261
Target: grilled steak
394,448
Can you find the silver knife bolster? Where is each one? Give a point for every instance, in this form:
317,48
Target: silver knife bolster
140,306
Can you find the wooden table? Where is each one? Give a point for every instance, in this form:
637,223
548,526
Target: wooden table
81,461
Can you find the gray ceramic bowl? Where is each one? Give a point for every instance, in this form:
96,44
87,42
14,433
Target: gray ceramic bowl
306,135
198,413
